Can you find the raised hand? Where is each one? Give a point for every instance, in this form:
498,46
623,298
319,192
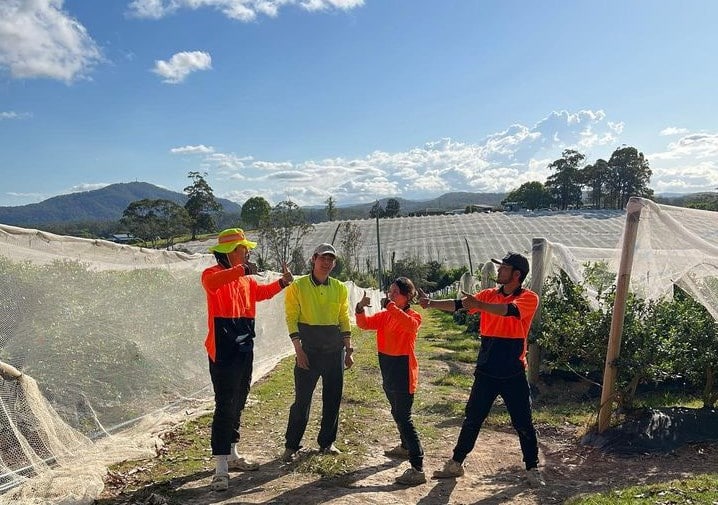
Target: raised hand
423,298
287,276
365,301
468,301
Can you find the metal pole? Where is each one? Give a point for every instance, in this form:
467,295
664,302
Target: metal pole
630,230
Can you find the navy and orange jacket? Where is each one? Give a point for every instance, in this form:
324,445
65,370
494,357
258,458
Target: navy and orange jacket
503,338
395,341
231,309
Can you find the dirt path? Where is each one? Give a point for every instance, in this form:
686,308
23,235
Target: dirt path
494,475
494,470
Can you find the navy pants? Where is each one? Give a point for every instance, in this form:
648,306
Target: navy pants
231,380
401,403
330,367
516,395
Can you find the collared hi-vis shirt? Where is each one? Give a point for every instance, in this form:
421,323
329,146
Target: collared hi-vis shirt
396,332
503,338
318,313
231,308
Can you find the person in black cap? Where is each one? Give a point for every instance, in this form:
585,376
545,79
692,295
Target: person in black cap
506,315
317,312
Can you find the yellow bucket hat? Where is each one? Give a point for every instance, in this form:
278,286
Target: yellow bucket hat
228,240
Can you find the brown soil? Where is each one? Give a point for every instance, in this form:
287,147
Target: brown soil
494,474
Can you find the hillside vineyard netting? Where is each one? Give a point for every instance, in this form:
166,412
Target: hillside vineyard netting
109,338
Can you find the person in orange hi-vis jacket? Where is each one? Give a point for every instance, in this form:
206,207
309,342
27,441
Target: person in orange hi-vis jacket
506,315
232,294
397,326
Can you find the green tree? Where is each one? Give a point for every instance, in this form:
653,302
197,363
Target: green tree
629,175
392,207
595,178
376,211
564,184
331,208
703,201
531,195
155,220
284,230
254,211
350,243
201,205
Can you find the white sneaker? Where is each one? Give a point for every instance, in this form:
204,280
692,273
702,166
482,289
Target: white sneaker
220,482
534,477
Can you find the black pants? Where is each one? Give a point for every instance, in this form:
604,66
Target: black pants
516,394
330,367
401,403
231,380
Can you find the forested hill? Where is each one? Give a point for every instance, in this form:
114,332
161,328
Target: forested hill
106,204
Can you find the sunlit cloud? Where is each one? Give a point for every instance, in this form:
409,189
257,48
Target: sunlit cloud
240,10
499,163
688,165
198,149
672,130
180,65
38,39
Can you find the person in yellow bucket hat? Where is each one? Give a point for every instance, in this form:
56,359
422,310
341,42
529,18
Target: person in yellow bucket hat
232,294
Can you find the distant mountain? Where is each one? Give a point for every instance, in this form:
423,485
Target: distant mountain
106,204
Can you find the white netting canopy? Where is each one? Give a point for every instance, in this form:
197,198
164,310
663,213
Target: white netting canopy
109,338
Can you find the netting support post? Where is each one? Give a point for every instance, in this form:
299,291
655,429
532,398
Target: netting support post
538,253
630,231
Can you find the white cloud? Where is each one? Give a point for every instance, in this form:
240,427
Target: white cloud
241,10
499,163
40,40
14,115
686,166
88,187
180,65
672,130
198,149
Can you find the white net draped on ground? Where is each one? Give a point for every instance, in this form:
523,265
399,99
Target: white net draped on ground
110,337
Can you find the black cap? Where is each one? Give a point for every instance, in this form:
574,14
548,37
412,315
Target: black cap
515,260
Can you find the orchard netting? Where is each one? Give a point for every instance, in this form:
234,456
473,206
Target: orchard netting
109,338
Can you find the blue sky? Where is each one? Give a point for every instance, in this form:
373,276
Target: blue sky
355,99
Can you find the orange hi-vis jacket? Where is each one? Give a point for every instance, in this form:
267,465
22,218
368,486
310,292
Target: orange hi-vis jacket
395,341
503,338
231,308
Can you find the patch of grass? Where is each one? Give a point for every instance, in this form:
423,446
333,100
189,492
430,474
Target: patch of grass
697,489
455,379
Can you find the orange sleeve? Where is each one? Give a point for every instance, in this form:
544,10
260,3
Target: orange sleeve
266,291
373,322
215,279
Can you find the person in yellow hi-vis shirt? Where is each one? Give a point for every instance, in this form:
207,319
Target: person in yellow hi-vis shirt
317,312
